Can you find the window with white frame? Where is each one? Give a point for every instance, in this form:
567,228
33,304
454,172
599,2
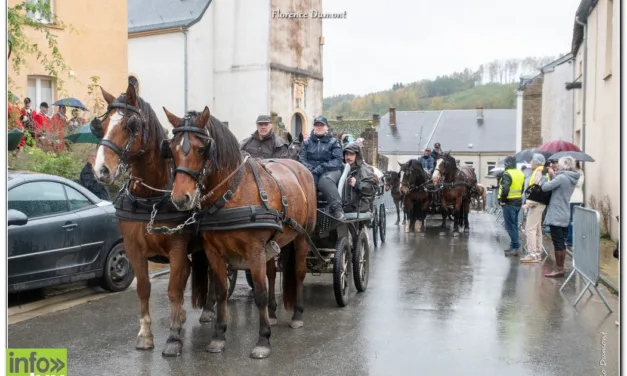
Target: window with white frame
38,16
491,166
40,89
469,164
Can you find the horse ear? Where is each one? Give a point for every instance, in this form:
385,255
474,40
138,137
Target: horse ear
131,95
300,138
173,119
107,97
203,119
289,138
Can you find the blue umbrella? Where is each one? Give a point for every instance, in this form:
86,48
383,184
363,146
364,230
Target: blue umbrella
70,102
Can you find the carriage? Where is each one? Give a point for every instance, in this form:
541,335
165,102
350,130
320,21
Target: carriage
379,214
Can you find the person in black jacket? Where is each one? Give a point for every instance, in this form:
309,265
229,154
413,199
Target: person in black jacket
88,180
362,182
321,153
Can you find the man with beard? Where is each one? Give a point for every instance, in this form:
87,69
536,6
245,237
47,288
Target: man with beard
362,181
264,143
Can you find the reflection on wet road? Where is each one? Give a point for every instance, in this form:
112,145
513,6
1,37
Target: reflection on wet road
435,305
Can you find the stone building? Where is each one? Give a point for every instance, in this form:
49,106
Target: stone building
530,112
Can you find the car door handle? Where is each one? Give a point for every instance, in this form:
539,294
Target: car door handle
69,226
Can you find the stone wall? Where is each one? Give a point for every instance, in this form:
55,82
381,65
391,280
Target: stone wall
532,114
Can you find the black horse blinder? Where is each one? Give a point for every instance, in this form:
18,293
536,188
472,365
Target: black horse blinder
96,127
165,152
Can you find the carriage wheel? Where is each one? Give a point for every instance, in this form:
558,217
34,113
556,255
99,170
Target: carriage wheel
231,276
375,224
342,270
382,222
249,278
361,261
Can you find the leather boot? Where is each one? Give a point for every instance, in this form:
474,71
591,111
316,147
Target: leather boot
560,256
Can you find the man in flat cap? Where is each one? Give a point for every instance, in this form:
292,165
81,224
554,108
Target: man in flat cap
264,143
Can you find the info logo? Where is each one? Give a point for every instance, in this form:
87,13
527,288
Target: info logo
36,362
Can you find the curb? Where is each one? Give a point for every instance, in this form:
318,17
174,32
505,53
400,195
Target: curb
159,273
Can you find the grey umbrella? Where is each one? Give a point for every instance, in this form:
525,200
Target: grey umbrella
526,155
577,155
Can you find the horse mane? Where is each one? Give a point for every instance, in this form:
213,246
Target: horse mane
154,126
228,153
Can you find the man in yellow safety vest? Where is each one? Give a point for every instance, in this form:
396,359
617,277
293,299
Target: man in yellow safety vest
510,197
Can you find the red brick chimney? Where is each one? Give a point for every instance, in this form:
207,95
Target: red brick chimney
392,116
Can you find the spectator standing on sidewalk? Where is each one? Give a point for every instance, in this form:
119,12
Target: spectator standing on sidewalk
510,197
575,200
534,218
562,185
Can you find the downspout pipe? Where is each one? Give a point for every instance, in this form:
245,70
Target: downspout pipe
185,80
584,79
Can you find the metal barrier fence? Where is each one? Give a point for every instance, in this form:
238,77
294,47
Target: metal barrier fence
586,251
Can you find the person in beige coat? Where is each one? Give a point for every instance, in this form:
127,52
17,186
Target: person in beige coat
534,216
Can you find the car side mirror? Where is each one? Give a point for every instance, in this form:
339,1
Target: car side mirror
16,218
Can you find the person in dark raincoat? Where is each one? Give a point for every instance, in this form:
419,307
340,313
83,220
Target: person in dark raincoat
264,143
88,180
362,181
321,153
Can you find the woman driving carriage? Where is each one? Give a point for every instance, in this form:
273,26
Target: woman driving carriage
321,153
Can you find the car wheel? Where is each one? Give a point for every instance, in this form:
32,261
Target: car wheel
118,271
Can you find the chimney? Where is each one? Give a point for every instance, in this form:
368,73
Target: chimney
480,115
339,118
392,116
375,118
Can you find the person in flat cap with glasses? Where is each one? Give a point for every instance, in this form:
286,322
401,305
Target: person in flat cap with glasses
436,152
264,143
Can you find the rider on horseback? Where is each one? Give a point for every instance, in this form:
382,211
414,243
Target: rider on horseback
321,153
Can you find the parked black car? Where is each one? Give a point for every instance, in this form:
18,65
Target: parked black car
59,232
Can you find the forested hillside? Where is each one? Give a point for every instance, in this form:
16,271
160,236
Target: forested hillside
491,86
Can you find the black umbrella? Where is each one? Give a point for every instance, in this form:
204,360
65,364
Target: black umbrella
577,155
525,156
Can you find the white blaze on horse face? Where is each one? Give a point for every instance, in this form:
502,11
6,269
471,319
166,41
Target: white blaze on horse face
114,121
436,172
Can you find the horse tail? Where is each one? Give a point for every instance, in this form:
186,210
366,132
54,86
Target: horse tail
289,275
200,278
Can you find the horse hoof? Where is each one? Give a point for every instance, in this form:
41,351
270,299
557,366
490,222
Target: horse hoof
216,346
273,321
442,233
455,233
145,343
260,352
172,349
207,316
183,317
295,324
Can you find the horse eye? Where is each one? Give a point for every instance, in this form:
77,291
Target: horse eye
200,151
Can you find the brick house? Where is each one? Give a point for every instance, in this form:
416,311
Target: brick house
530,112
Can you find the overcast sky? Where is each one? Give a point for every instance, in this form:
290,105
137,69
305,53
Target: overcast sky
382,42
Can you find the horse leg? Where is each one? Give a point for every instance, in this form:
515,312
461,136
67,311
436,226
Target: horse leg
456,215
444,211
271,273
208,310
398,213
466,213
218,266
301,249
179,273
145,339
257,264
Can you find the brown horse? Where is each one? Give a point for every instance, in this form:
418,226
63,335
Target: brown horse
480,194
393,183
294,146
456,188
245,204
131,137
415,197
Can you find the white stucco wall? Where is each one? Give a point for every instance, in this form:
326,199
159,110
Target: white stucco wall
200,78
240,61
160,74
557,104
602,132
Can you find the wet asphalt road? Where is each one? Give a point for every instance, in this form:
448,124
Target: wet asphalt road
435,305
